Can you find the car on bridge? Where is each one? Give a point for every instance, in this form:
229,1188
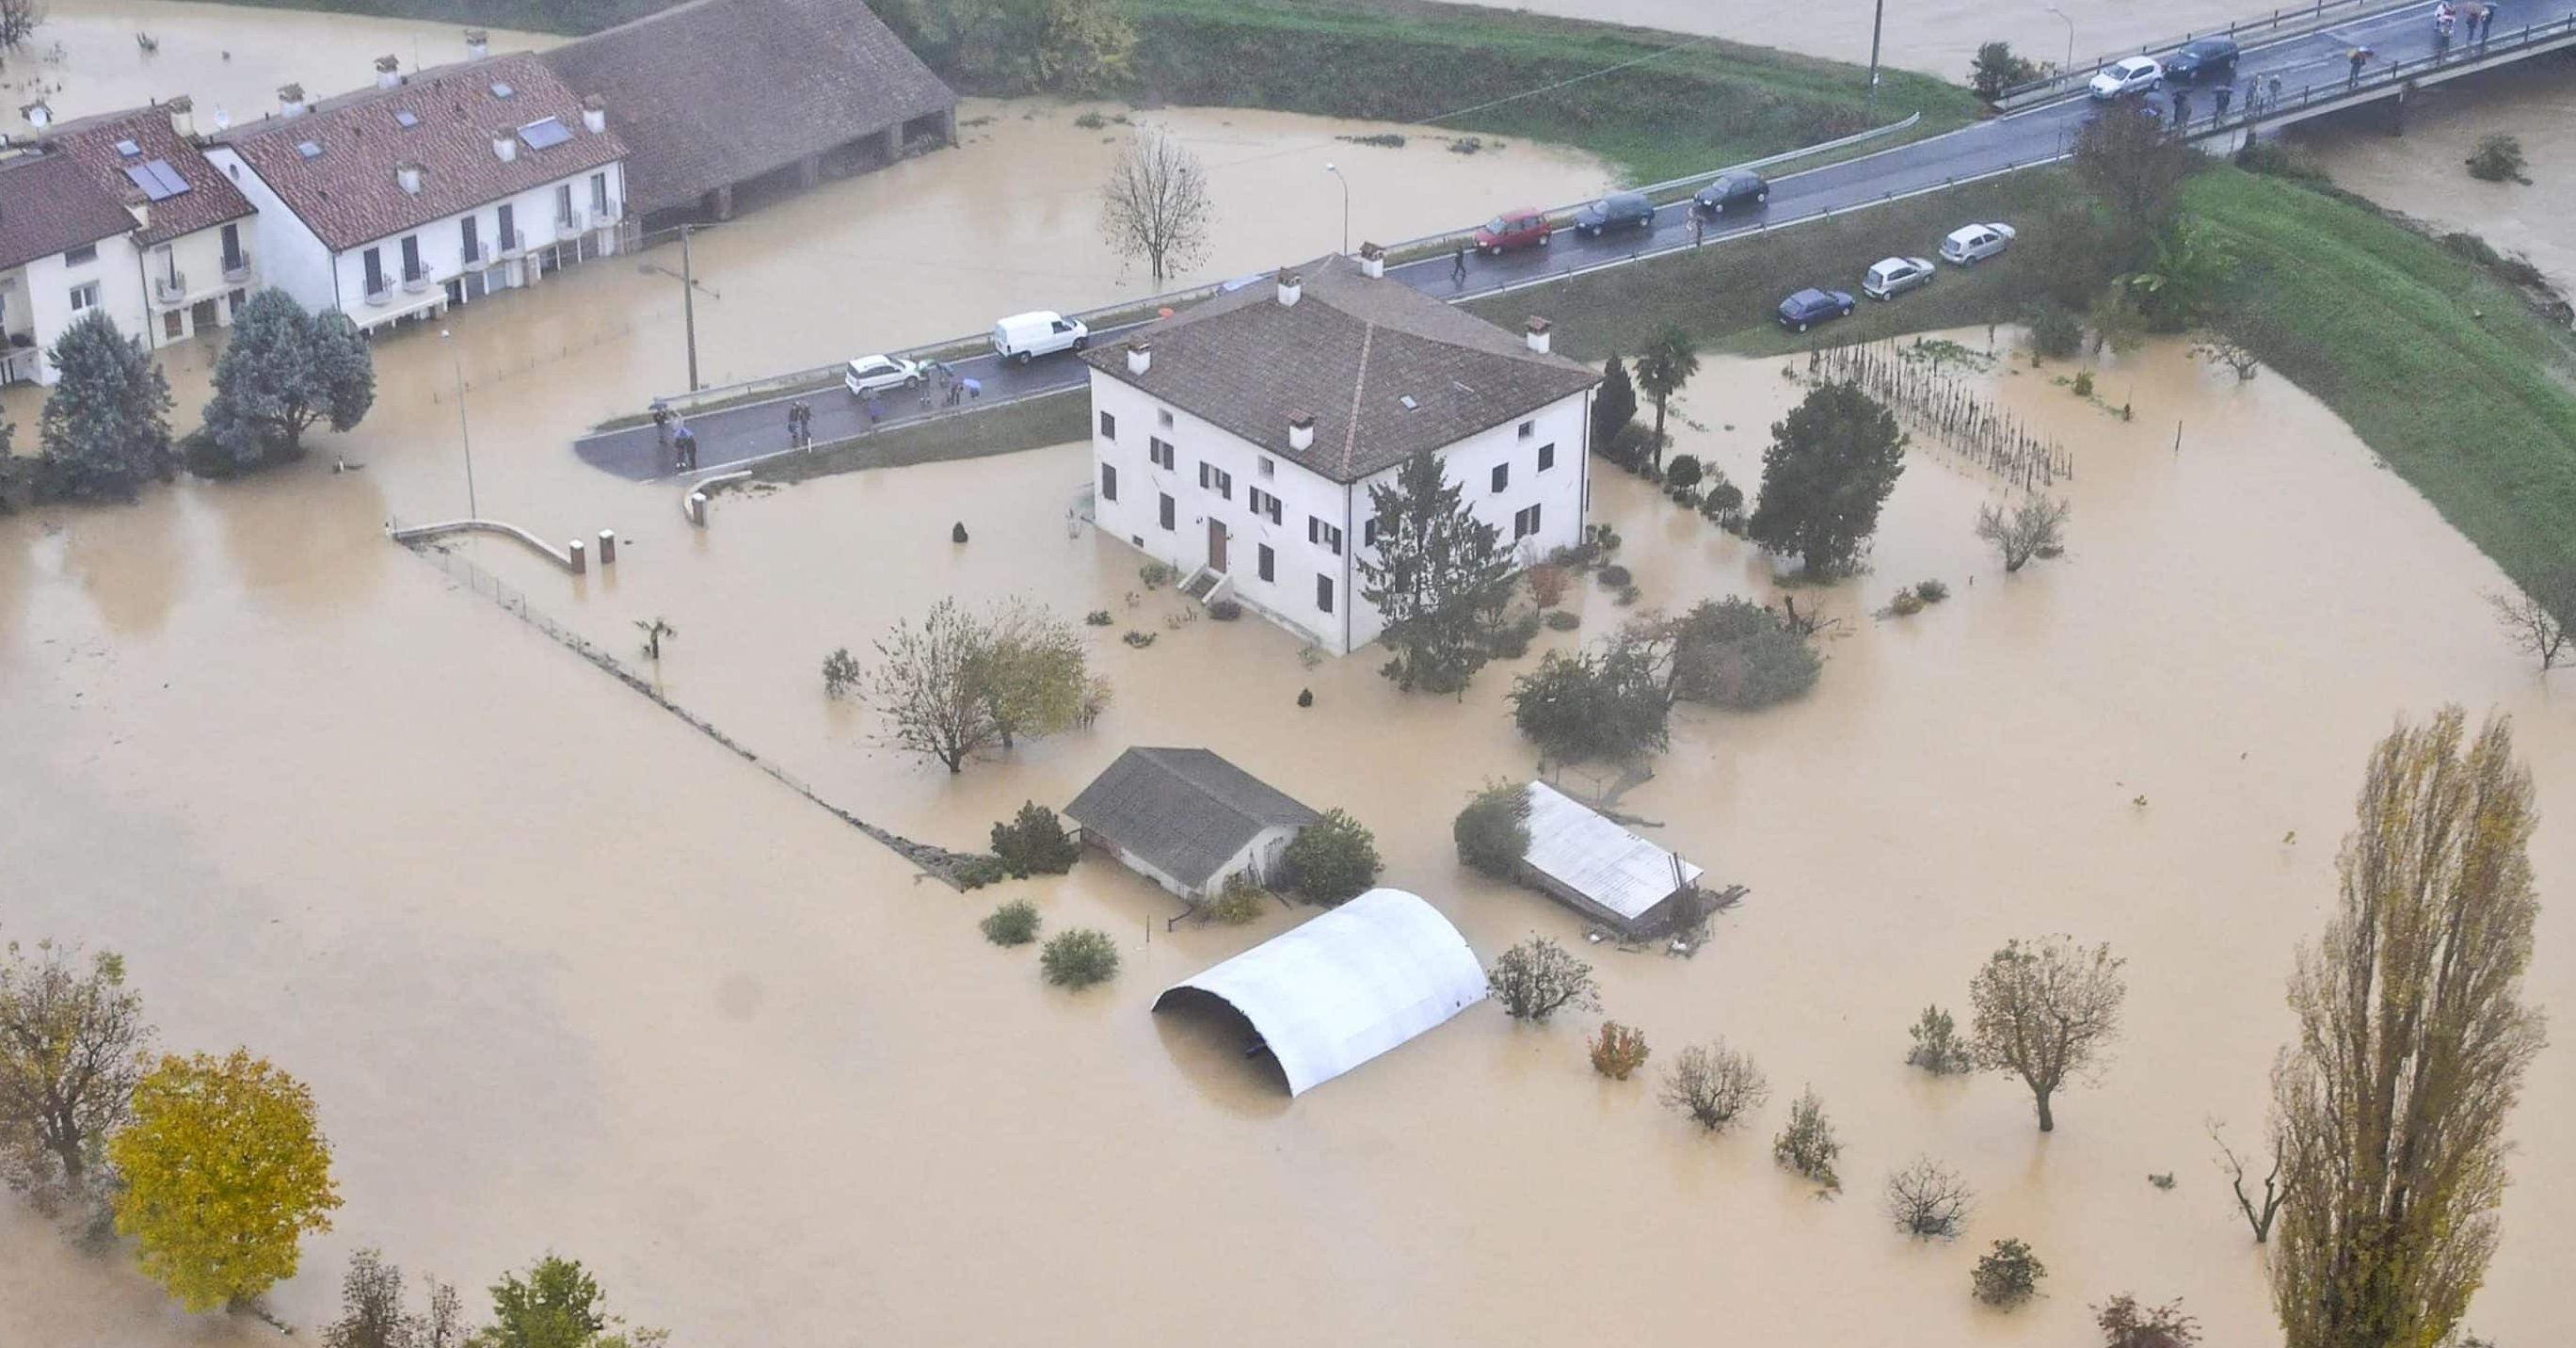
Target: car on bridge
1738,189
1520,227
1893,276
2208,60
1619,210
2137,75
870,374
1970,244
1811,306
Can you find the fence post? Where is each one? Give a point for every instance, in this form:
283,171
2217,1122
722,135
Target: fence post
579,555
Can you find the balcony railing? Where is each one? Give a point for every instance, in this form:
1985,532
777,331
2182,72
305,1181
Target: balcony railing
512,243
382,296
417,284
475,253
237,268
570,222
171,288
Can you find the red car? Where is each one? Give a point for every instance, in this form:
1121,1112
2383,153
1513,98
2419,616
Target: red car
1522,227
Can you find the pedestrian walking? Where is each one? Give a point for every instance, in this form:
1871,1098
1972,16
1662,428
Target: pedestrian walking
1458,267
2272,95
1699,228
2360,57
876,410
685,442
2486,21
2182,109
795,426
661,423
2221,97
955,391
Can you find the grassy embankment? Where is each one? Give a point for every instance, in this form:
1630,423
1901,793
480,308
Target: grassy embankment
2442,369
1051,420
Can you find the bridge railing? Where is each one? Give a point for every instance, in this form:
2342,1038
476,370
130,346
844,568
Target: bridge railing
2286,21
2379,77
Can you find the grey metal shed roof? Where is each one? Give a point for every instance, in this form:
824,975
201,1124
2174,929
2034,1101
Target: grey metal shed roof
1575,846
1185,811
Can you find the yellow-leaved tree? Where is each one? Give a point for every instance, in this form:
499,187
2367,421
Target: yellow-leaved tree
225,1172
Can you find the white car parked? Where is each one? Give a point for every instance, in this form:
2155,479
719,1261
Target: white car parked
1893,276
868,374
2137,75
1968,244
1041,332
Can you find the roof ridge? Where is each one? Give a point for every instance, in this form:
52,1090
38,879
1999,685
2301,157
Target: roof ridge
1195,784
1359,389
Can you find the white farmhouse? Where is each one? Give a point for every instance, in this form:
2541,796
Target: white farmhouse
430,189
1238,441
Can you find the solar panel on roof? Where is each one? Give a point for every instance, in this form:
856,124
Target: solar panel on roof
128,149
406,118
159,181
543,133
310,149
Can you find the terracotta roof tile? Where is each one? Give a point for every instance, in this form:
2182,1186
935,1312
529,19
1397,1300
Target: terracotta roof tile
49,204
211,198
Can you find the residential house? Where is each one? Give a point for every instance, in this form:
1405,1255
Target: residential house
66,249
1187,820
430,189
194,226
719,96
1238,440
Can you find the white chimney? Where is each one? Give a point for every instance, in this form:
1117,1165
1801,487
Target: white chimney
388,72
1140,357
38,114
478,44
594,114
1372,262
409,176
140,207
1538,339
183,117
505,145
223,120
1291,286
1301,431
290,99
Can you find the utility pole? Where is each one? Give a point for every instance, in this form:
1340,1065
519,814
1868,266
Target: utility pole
464,426
1877,22
689,305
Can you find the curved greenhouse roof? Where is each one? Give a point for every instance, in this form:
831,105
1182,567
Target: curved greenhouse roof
1347,986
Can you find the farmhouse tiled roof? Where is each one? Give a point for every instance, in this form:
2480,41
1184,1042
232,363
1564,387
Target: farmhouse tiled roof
718,91
1185,811
349,194
210,198
48,204
1385,370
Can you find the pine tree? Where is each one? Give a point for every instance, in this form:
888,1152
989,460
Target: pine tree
1614,409
1438,574
106,426
282,371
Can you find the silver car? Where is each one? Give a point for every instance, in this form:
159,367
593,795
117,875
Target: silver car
1893,276
868,374
1969,244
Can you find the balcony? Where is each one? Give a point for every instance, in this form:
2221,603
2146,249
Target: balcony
170,289
512,243
476,253
417,284
571,222
377,299
236,269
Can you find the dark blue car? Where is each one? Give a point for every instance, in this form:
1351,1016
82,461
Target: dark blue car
1812,306
1619,210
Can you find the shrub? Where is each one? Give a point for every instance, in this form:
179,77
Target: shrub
1714,1085
1583,706
1629,594
1079,958
1035,843
1807,1143
1538,978
1736,654
1547,584
1241,901
1332,859
841,673
2054,331
1563,620
1996,68
2007,1275
2497,159
957,532
1725,496
1226,610
981,871
1091,121
2126,1324
1618,1050
1928,1200
1156,575
1938,1049
1139,640
2083,383
1512,640
1492,833
1616,576
1905,605
1931,591
1013,923
1687,498
1684,470
1305,697
1098,617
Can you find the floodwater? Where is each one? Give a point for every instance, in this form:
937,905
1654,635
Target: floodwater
2423,174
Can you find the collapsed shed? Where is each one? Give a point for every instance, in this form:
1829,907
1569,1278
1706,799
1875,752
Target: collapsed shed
1601,870
1345,987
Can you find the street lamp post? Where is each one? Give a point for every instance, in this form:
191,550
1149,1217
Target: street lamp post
1877,20
1346,206
2070,39
464,428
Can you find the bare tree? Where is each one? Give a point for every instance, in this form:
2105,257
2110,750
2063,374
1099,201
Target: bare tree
19,20
1155,205
71,1045
2220,349
2389,1109
924,690
2035,528
2542,619
1928,1200
2047,1013
1538,978
2259,1213
1714,1085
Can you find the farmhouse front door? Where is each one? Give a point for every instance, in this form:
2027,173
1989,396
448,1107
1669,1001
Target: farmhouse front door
1216,546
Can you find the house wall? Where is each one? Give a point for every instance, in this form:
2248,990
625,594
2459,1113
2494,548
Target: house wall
287,254
1259,856
1290,597
45,292
198,257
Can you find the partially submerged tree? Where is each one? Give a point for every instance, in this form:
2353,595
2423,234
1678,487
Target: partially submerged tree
960,684
2541,619
2259,1213
1807,1144
284,370
1538,978
225,1173
1666,364
2126,1324
1331,860
1714,1085
372,1313
1734,653
71,1039
106,426
557,1305
2136,167
2007,1275
1928,1200
2414,1038
1938,1049
1437,573
1492,833
1830,466
2035,528
1605,704
1614,410
1996,68
1618,1050
2046,1012
1035,843
19,20
1032,672
1155,205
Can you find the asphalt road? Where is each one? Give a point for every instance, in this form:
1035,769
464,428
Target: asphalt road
2315,62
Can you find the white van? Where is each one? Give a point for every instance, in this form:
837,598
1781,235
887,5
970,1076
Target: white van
1043,332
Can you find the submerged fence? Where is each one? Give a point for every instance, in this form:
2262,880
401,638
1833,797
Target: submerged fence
1927,396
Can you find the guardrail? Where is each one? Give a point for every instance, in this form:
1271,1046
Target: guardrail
822,374
2287,21
2462,58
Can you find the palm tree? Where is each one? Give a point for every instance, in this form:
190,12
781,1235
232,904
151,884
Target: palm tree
1662,368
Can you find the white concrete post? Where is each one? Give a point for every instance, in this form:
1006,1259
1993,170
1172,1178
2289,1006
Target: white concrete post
608,547
580,557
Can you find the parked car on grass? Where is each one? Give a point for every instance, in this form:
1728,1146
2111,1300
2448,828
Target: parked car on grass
2137,75
1739,190
1619,210
1893,276
868,374
1520,227
1811,306
1970,244
1023,337
2209,59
